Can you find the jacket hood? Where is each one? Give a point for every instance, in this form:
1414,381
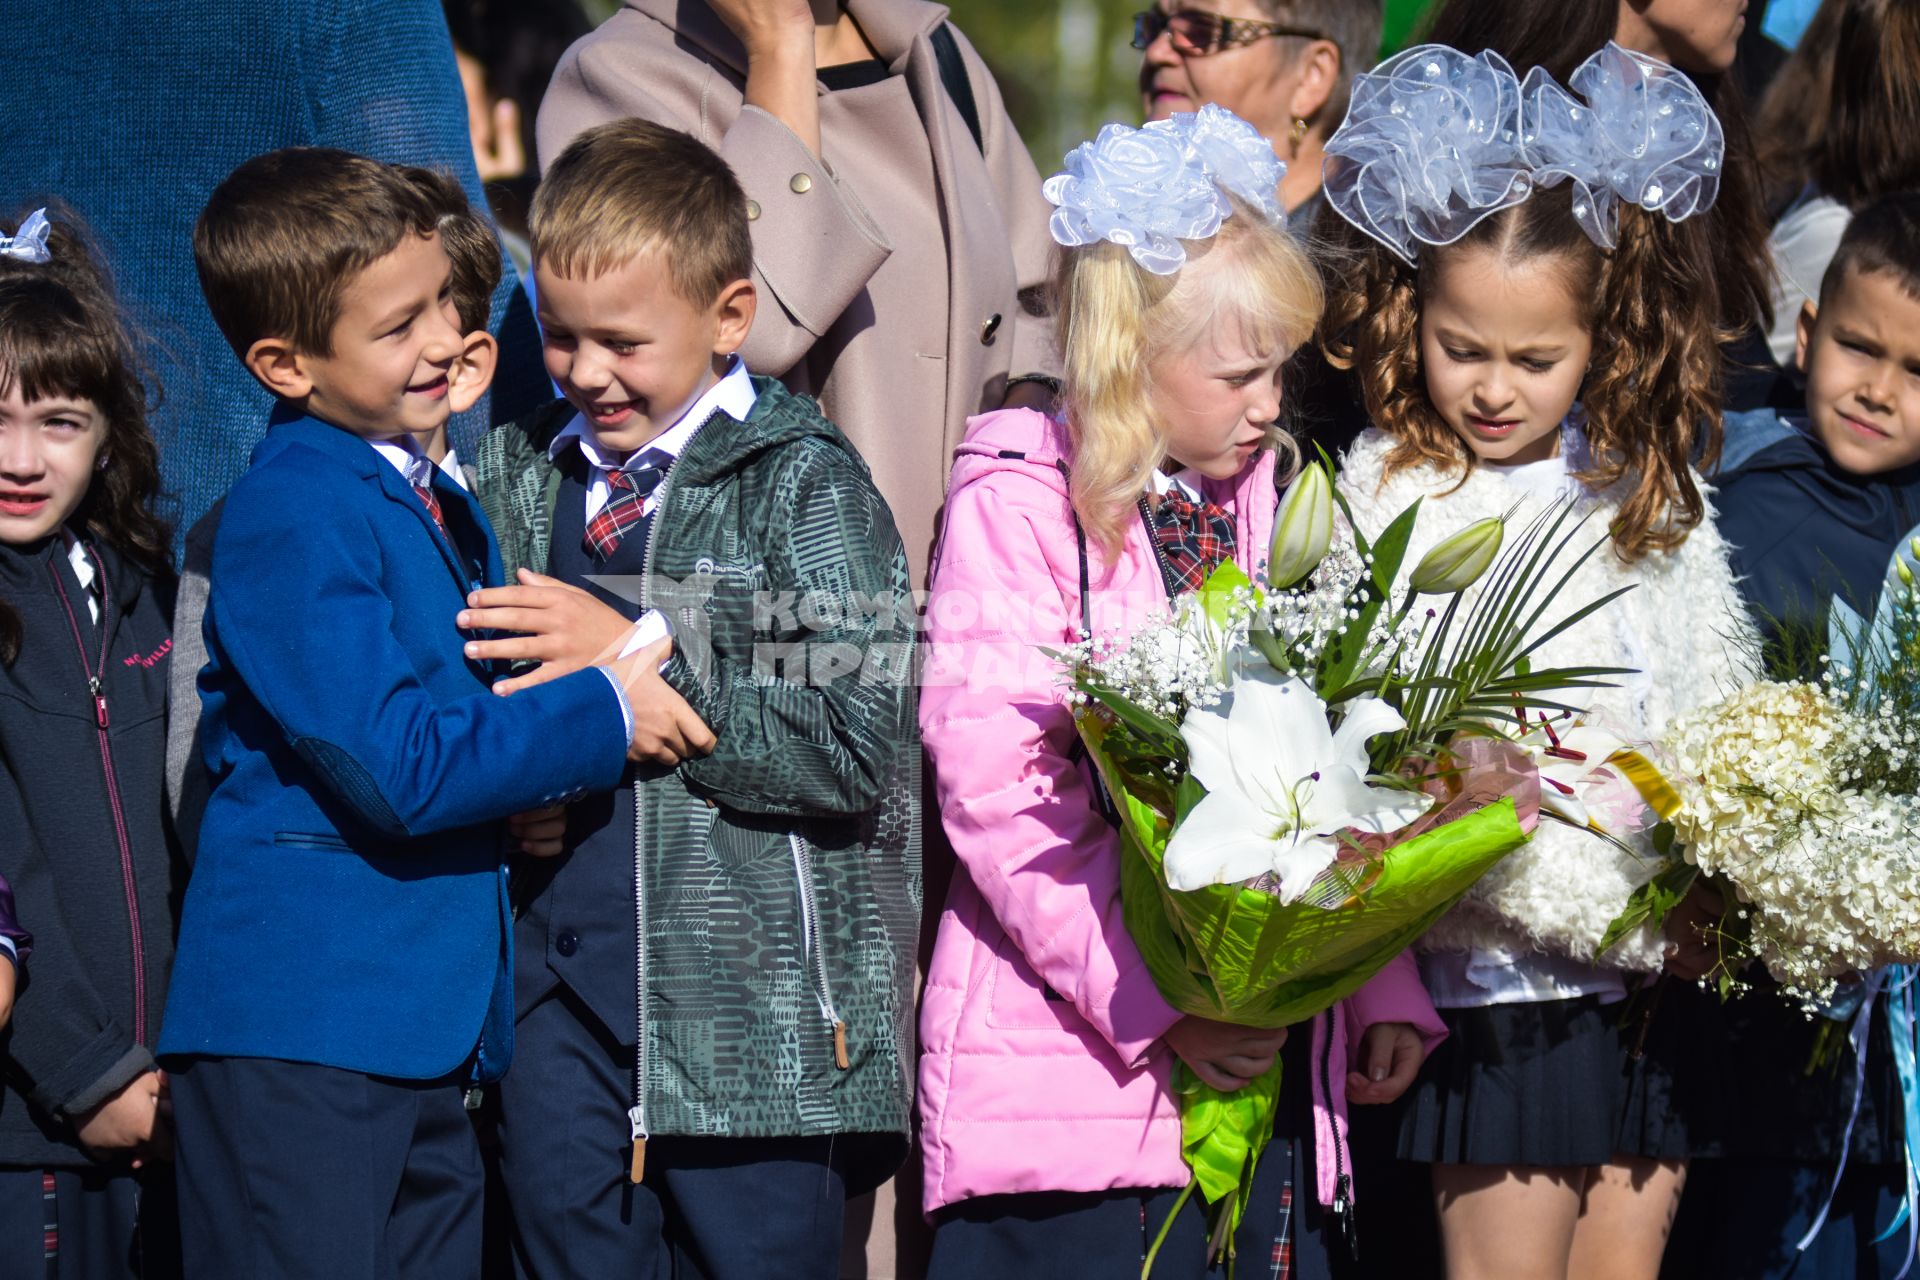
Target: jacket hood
1024,441
779,417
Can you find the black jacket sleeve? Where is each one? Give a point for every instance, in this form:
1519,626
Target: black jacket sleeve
64,1050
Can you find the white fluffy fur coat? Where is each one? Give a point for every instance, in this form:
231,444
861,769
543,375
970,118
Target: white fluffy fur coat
1685,625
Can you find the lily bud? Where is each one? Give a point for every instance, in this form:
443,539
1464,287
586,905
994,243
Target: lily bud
1303,530
1906,574
1457,563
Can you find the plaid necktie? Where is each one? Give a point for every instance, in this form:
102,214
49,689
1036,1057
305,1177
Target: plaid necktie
432,501
629,488
1194,539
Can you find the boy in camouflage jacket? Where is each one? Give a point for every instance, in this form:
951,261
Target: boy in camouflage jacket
714,976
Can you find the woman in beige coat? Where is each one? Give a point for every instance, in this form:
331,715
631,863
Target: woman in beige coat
900,238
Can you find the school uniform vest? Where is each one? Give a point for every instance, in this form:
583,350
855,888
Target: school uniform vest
576,926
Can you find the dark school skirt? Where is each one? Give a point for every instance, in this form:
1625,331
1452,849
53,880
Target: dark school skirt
1537,1083
1739,1080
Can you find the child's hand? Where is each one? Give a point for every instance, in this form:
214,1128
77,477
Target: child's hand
130,1120
1222,1055
9,982
1389,1058
541,832
1692,952
666,730
563,628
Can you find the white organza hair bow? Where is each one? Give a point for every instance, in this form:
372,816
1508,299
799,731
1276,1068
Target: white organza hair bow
1435,142
29,243
1430,147
1150,188
1644,135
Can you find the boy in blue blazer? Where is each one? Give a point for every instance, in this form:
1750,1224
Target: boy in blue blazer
344,953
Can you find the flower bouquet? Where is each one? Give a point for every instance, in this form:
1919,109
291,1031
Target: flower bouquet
1308,770
1803,798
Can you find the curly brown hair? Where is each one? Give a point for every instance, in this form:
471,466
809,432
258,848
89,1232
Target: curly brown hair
61,333
1651,394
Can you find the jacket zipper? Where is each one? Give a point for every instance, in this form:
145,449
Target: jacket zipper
815,951
1342,1206
1159,552
637,1113
96,678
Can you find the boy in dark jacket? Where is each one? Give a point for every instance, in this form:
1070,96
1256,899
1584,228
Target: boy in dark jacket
744,922
1814,505
344,955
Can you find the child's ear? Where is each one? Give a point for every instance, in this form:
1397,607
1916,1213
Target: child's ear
280,369
472,371
1803,333
733,310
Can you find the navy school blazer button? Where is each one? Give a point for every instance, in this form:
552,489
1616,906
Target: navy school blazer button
987,330
567,943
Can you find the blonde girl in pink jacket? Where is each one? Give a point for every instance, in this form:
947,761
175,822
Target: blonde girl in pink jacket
1051,1138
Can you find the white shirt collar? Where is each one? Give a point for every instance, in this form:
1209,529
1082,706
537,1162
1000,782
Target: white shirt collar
405,455
732,395
450,467
1186,480
83,572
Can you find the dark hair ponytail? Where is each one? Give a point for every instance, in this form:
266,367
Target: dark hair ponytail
61,333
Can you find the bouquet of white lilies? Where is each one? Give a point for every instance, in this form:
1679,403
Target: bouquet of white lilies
1308,769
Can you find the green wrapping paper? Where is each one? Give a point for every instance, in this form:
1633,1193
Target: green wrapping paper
1241,956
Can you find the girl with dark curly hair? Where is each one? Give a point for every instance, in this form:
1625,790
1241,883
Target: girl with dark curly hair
85,603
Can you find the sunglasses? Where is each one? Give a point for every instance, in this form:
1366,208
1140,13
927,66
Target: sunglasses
1197,33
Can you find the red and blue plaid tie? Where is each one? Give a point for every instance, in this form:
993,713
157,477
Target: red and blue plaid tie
630,488
1195,539
432,502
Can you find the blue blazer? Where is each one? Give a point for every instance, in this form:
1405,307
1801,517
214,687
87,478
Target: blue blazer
348,904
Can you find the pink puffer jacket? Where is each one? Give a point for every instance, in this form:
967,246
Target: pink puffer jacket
1041,1065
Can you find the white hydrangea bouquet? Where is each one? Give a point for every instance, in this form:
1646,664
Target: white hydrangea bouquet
1804,797
1309,769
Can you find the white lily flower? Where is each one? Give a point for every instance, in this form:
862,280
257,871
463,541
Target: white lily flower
1281,784
1567,762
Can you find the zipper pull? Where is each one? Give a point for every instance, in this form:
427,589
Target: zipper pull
840,1058
638,1169
1344,1214
99,702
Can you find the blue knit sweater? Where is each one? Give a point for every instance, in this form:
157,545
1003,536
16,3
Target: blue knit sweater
132,112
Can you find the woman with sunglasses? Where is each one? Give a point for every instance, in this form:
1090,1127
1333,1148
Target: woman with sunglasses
1283,65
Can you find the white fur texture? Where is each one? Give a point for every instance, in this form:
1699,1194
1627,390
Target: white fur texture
1560,892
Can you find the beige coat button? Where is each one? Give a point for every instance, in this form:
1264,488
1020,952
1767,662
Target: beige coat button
987,330
753,210
801,184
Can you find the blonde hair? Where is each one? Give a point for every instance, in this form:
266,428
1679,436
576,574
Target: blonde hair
1115,317
630,187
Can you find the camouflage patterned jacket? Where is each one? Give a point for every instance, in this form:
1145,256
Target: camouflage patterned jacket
781,891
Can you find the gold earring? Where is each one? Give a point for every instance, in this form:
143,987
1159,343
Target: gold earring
1299,131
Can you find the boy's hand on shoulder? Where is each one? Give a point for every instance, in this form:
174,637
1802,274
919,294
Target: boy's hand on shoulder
132,1120
666,729
9,983
563,628
1389,1058
540,833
